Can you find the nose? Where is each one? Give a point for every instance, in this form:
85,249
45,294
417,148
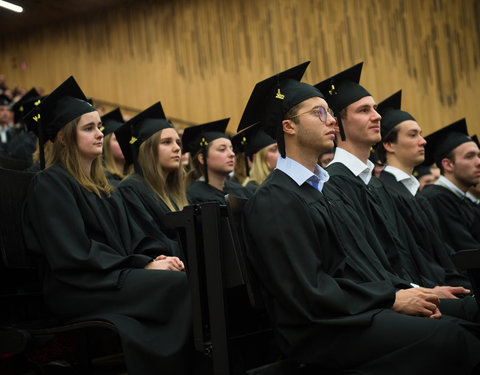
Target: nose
330,120
423,142
99,133
376,115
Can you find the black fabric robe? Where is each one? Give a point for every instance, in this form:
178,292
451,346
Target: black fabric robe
113,179
421,221
456,217
95,259
200,192
146,208
380,212
329,304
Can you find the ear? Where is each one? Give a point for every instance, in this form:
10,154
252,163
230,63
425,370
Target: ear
200,158
336,127
447,165
289,127
388,147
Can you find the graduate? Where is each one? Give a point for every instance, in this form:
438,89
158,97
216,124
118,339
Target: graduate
97,263
403,148
157,186
329,305
458,157
260,152
113,159
213,160
351,173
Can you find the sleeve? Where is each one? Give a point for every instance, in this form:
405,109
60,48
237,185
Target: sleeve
54,226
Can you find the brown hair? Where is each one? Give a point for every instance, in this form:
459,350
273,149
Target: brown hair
390,137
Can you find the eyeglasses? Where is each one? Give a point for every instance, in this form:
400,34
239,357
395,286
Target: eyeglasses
319,111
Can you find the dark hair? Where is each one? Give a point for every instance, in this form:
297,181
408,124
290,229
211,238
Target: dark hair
390,137
451,156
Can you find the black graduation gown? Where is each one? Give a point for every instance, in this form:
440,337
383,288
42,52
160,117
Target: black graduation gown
148,211
113,179
425,230
94,268
324,317
456,217
200,192
372,201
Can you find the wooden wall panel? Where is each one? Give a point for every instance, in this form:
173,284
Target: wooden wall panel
202,58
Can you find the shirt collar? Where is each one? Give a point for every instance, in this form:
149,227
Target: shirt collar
409,181
300,174
473,198
446,183
354,164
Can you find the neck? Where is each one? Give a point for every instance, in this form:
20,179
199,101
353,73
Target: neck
216,180
120,164
86,166
305,157
362,152
405,168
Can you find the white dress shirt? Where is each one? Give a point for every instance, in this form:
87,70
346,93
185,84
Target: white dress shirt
298,173
354,164
409,181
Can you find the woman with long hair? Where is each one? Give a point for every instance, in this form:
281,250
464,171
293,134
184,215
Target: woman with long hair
96,260
113,159
156,187
212,162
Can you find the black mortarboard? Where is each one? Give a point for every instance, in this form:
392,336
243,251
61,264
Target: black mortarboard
25,104
196,138
111,121
422,170
391,114
5,100
475,139
138,129
250,141
64,104
273,97
343,89
443,141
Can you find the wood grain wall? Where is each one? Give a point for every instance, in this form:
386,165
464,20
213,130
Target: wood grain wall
202,58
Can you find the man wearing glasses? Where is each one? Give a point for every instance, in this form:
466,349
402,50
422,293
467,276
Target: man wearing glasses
331,301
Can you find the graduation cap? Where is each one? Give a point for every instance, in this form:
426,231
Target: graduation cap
343,89
64,104
422,170
443,141
31,99
475,139
391,114
250,141
111,121
5,100
196,138
138,129
273,97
